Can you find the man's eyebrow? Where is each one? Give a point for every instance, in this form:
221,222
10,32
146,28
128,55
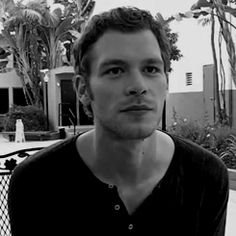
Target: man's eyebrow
158,61
110,62
119,62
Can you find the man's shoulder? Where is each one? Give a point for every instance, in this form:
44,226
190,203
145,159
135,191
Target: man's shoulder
49,157
197,158
192,150
199,168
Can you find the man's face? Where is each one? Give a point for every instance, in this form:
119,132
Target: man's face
128,83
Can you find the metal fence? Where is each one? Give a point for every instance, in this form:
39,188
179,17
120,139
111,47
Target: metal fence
7,164
5,229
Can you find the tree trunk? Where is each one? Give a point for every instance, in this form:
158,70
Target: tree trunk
216,81
230,47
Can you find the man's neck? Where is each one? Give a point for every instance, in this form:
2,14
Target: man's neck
124,162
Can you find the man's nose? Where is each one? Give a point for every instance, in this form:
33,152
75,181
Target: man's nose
136,84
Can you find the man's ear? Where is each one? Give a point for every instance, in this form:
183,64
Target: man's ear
82,90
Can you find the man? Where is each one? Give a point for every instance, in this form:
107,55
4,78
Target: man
125,176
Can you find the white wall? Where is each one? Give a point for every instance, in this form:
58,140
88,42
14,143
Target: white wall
195,44
10,80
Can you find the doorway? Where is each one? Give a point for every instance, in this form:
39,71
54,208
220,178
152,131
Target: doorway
68,104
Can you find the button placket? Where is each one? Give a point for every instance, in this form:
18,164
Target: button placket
116,206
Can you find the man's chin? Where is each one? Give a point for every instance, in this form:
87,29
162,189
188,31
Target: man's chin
132,133
129,130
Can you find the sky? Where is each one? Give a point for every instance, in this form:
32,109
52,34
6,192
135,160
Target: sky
165,7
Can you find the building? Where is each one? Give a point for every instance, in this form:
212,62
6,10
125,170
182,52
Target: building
11,91
60,99
198,104
191,83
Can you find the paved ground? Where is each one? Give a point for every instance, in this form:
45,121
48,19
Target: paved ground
6,146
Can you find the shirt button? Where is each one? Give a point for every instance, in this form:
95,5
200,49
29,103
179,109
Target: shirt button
131,226
117,207
110,186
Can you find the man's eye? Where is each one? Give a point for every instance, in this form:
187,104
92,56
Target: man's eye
151,70
114,71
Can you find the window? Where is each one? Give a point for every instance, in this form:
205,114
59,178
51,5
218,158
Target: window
19,97
189,77
4,98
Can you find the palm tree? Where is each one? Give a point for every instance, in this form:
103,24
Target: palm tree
230,47
18,23
35,32
221,112
62,24
218,9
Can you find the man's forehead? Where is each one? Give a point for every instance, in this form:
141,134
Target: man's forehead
110,36
117,47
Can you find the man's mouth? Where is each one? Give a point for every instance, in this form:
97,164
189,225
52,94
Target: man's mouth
136,108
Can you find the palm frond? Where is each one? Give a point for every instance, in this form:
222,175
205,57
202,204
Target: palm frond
63,27
23,16
37,5
231,149
6,6
10,22
32,15
161,19
57,12
51,19
10,39
205,21
75,33
87,9
79,4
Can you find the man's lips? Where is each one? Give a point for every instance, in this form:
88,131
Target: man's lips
136,108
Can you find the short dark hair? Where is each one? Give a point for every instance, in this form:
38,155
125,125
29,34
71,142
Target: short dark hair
121,19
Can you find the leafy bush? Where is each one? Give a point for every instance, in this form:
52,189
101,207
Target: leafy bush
229,154
221,134
192,131
216,138
32,117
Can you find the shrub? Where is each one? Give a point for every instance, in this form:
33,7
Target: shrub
216,138
32,117
193,131
229,154
221,134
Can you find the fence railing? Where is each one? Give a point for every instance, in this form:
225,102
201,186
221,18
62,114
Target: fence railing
7,164
66,116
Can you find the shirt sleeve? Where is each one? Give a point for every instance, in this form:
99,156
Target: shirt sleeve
17,202
215,200
24,206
